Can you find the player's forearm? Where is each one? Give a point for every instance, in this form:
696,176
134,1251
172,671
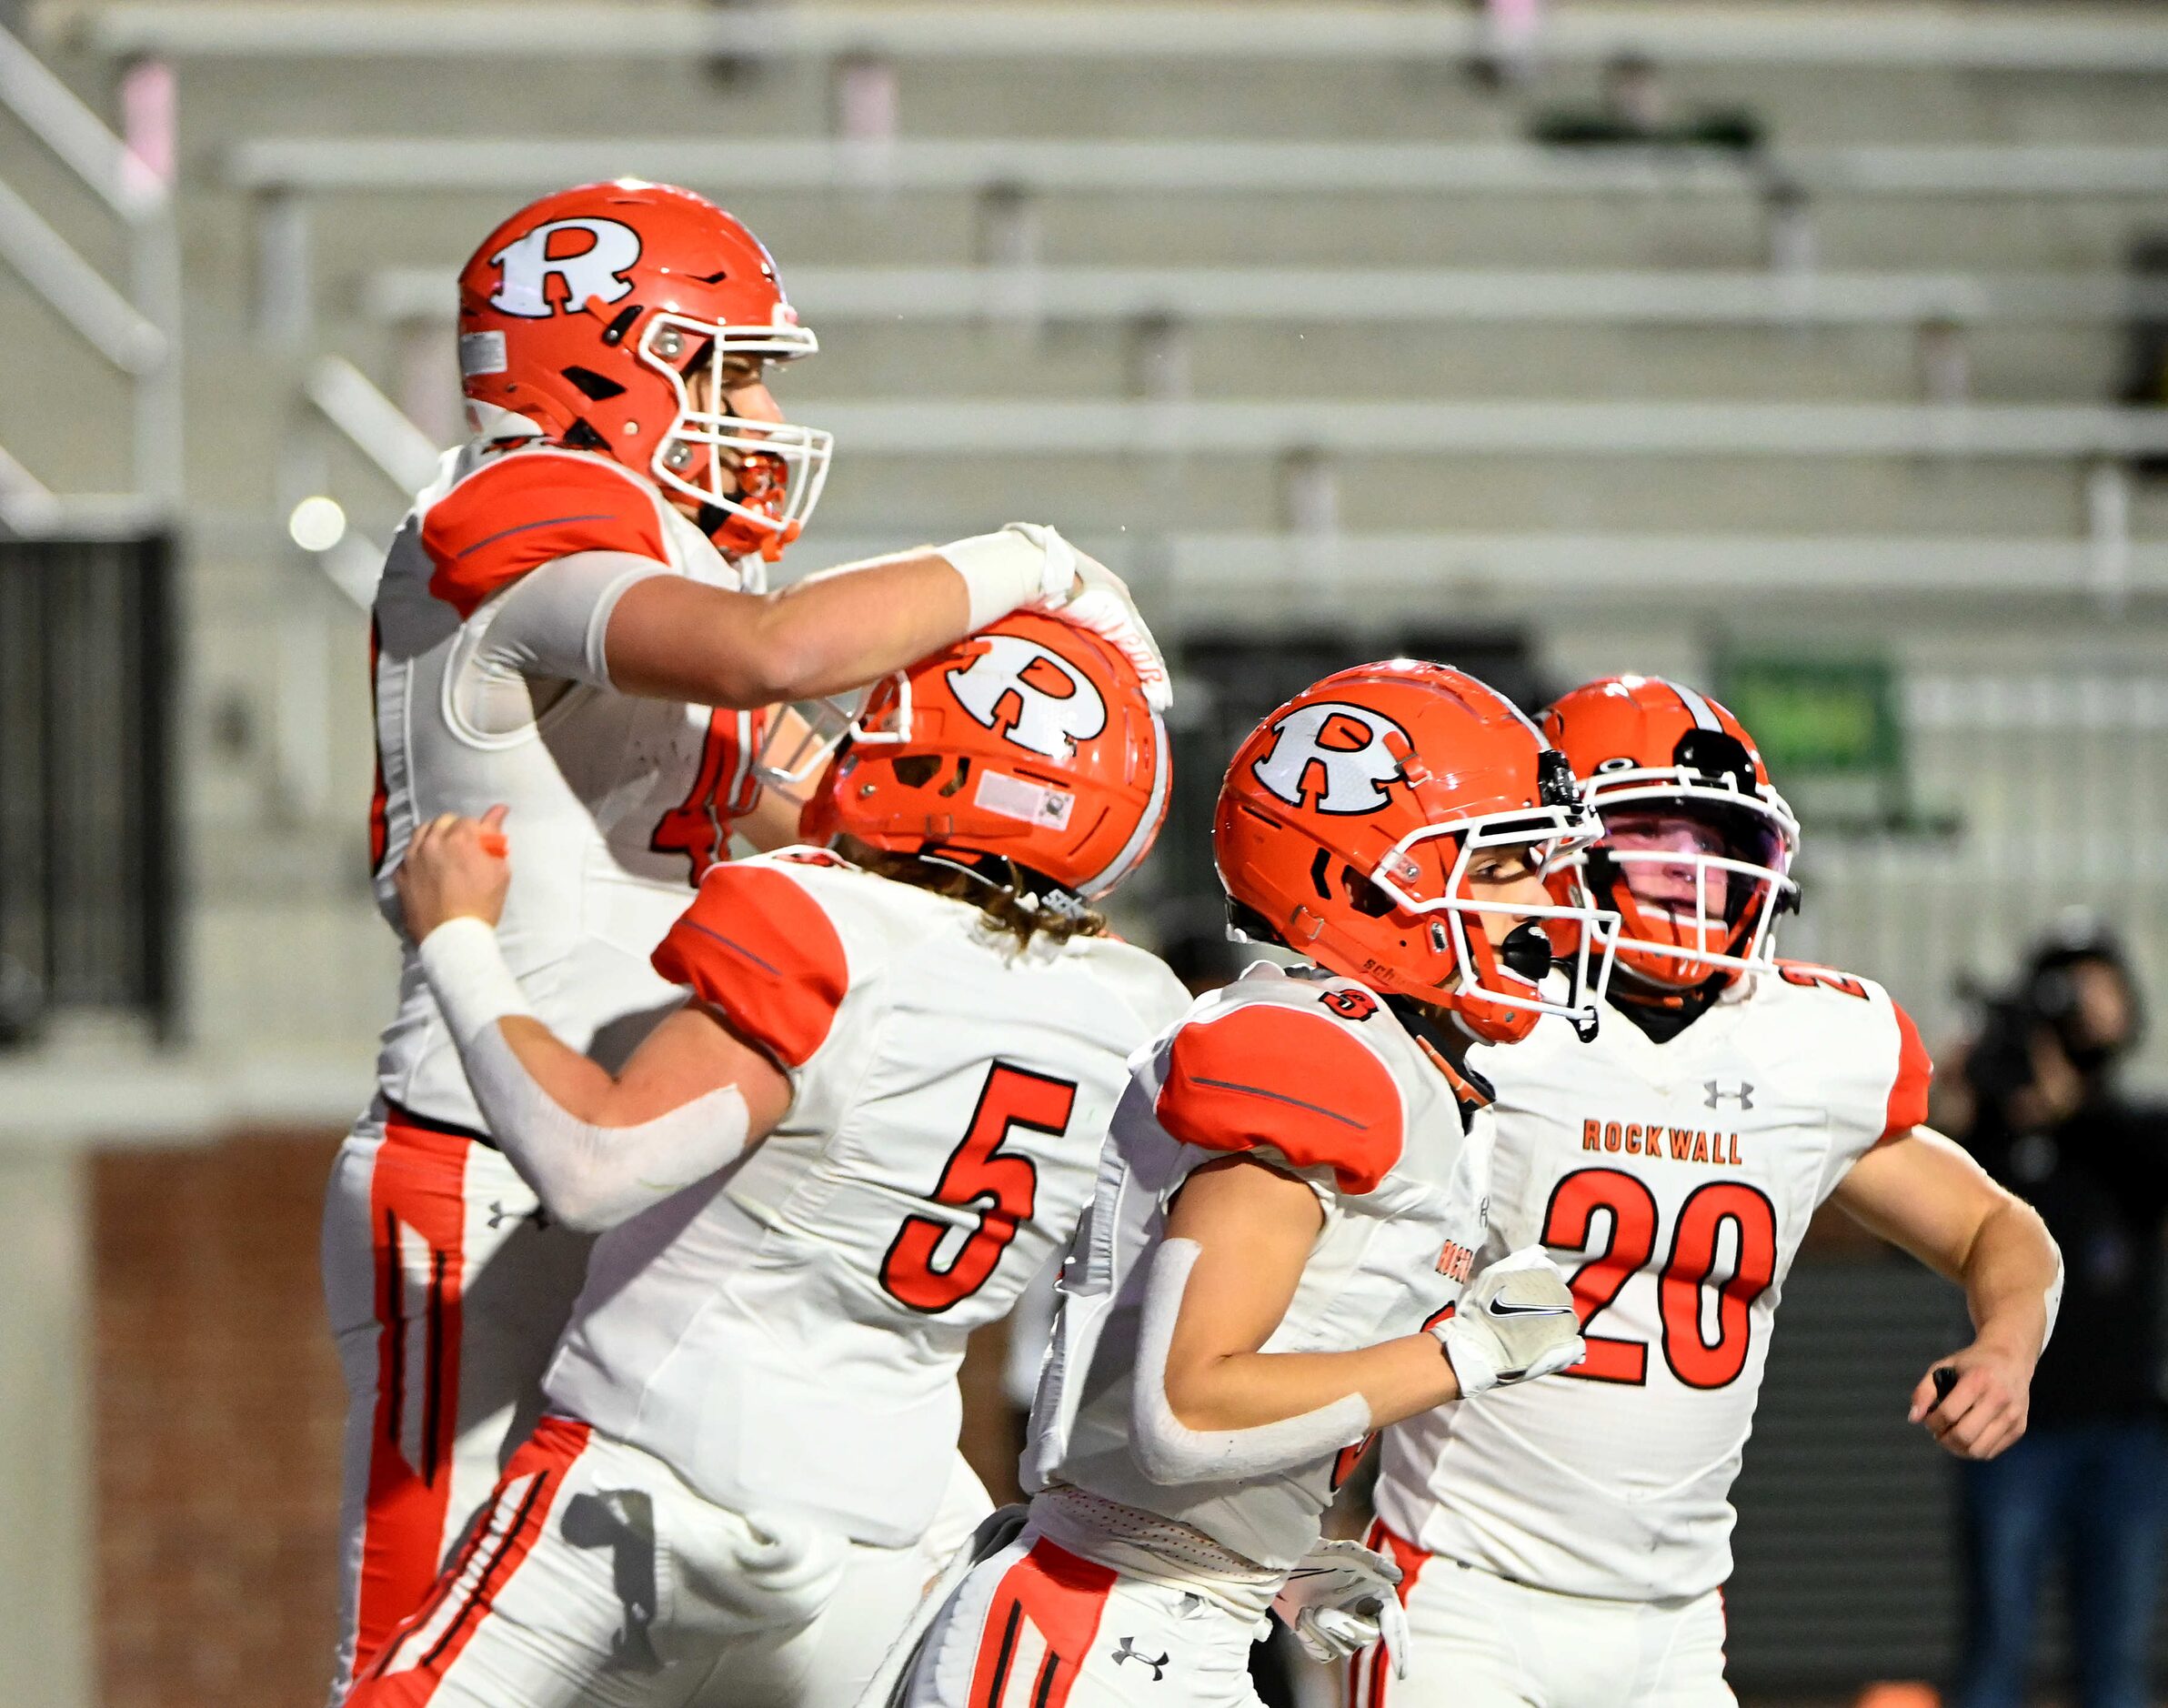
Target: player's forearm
846,627
597,1148
1396,1379
2012,1278
671,638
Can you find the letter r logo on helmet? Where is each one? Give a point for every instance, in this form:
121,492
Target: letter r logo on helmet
1051,705
1334,753
590,275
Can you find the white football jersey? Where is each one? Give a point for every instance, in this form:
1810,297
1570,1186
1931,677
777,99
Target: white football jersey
1316,1073
1674,1183
490,687
786,1335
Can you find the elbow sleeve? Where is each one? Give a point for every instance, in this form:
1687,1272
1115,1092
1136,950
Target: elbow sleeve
1168,1451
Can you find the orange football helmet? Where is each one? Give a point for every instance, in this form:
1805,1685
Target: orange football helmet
1640,743
1029,741
582,317
1347,823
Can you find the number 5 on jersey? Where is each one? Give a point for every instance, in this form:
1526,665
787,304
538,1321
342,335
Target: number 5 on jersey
979,1177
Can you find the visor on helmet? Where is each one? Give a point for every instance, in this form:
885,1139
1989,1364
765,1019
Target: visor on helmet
1695,911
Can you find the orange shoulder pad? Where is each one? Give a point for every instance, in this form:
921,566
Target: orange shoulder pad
1289,1078
516,515
757,947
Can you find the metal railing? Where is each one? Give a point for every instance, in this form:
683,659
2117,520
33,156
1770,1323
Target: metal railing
2068,38
136,330
1201,166
1401,296
1021,427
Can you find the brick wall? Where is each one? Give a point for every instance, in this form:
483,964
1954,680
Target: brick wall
218,1405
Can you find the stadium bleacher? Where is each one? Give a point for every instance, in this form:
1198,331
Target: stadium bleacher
1290,322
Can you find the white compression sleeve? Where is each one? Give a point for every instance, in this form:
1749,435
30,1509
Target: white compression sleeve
466,970
587,1177
1167,1449
553,621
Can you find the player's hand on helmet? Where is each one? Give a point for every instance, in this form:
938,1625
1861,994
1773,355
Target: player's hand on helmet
454,867
1514,1322
1341,1599
1100,601
1983,1409
1028,565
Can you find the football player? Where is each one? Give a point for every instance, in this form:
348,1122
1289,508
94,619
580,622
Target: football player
571,622
1564,1545
1287,1209
876,1117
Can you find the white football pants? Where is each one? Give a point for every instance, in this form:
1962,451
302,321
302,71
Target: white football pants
446,1291
595,1576
1036,1626
1480,1641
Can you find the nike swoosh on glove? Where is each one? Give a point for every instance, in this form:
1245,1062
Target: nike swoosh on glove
1341,1599
1514,1322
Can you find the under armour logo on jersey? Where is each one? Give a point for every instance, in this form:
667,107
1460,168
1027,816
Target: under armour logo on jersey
1130,1652
1333,753
500,1214
591,273
1740,1091
1049,704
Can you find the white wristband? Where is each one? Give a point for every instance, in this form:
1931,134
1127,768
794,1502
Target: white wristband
1023,563
465,969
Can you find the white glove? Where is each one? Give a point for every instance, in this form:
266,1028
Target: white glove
1514,1322
1339,1599
1029,566
1105,607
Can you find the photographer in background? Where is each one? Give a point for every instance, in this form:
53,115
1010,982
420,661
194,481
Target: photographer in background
2033,1097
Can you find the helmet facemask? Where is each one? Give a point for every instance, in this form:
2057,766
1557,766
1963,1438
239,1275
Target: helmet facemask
798,748
763,478
1499,991
1720,915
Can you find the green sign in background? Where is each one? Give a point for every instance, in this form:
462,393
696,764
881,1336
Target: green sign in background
1828,730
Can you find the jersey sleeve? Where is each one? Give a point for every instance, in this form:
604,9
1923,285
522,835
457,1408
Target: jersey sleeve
1273,1077
553,622
511,516
1875,1069
1906,1106
756,946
